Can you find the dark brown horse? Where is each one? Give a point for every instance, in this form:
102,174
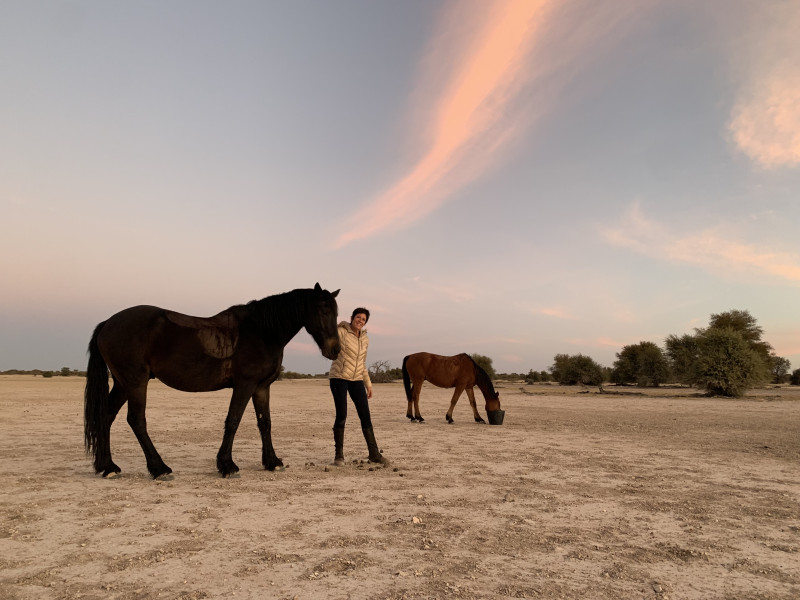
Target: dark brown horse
240,348
459,371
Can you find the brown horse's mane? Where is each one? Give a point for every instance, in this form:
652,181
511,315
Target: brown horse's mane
482,379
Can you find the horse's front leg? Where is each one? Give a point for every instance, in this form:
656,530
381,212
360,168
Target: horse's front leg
456,395
475,413
239,398
261,405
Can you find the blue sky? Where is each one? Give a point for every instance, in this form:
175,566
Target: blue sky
515,179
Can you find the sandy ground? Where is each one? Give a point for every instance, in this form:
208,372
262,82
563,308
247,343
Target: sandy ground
576,495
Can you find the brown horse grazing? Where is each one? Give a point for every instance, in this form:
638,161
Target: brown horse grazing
459,371
240,348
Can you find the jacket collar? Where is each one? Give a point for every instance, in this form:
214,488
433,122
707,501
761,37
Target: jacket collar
346,326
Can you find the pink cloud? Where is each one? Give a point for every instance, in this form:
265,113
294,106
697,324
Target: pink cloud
469,116
556,312
765,121
710,248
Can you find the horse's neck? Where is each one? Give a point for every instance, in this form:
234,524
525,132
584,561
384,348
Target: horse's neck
483,385
281,322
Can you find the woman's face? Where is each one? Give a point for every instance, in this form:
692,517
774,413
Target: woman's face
358,321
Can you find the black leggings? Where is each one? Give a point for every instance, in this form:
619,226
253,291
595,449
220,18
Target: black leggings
358,393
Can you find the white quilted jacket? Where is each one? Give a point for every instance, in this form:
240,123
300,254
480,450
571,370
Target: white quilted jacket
351,364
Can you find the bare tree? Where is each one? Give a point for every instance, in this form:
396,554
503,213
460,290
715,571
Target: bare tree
381,372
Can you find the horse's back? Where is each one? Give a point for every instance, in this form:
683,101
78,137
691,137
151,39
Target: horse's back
185,352
441,371
130,327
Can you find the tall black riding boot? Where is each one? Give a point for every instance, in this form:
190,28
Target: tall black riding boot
338,438
375,455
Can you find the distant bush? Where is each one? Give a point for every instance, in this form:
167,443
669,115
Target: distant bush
381,371
682,353
780,369
727,365
644,364
533,377
577,369
293,375
726,358
795,380
485,363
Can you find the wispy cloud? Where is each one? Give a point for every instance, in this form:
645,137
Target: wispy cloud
471,116
765,122
553,311
454,293
711,249
498,67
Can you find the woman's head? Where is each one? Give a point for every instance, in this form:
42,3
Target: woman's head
359,318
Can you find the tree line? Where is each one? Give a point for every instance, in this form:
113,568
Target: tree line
63,372
726,359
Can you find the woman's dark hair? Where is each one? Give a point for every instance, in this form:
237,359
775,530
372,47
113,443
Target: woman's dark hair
360,309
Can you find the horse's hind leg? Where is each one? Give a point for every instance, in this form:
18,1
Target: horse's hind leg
413,401
137,402
475,413
102,460
456,395
415,395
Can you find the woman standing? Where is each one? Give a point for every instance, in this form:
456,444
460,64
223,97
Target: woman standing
349,374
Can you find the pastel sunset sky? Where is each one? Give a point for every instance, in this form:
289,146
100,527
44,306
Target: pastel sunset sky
511,178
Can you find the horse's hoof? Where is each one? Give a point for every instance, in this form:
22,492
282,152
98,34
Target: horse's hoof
234,475
165,477
112,475
420,419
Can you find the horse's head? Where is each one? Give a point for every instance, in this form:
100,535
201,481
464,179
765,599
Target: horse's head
321,322
492,401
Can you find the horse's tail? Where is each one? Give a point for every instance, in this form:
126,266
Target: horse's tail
406,380
95,408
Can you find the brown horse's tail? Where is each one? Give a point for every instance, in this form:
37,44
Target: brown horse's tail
95,408
406,380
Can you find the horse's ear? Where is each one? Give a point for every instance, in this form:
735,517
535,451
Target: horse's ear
317,288
336,293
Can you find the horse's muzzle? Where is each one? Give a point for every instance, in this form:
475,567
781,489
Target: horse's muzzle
331,348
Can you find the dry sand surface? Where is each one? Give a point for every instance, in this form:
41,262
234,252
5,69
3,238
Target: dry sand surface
576,495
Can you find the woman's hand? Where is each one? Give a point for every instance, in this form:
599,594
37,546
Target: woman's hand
369,392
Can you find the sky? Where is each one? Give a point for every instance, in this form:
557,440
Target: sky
516,179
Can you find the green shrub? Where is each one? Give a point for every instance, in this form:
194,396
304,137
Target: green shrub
727,365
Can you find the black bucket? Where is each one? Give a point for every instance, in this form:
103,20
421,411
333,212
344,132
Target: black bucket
495,416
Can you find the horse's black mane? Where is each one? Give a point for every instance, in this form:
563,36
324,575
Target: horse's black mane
279,312
482,377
